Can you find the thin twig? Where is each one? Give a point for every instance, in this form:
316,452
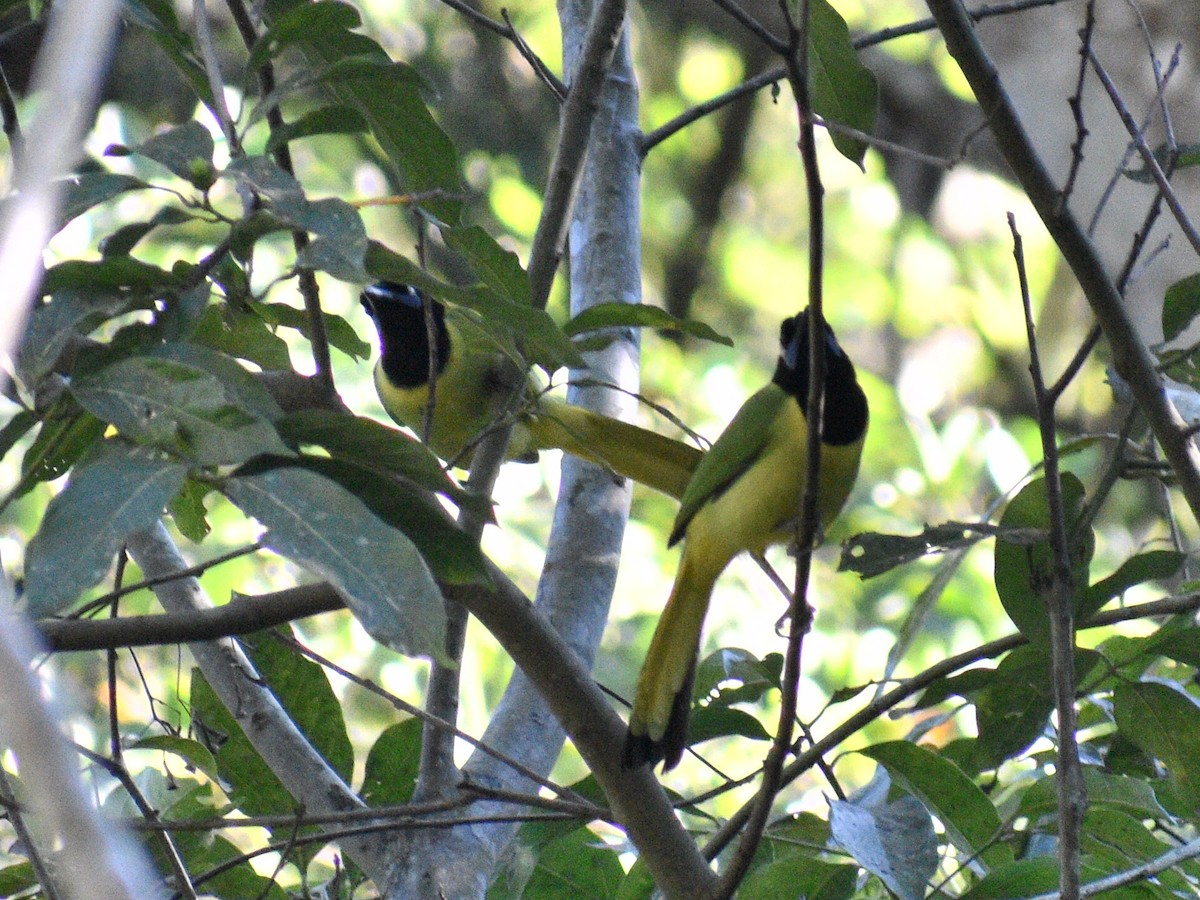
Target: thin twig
509,32
754,26
1076,103
779,73
1147,154
118,771
796,60
1059,596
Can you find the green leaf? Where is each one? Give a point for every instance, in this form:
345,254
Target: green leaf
1188,155
799,875
381,447
451,553
321,526
576,866
158,18
1024,569
390,775
1164,722
640,315
298,25
186,150
52,326
1023,878
708,722
1180,306
82,192
1154,565
67,433
188,512
326,120
339,236
498,268
117,491
892,840
124,239
240,333
843,89
338,331
754,677
970,819
112,273
186,400
1133,795
1012,712
874,554
388,94
16,878
192,752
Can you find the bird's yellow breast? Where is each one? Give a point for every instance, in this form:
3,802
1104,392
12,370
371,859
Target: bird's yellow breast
760,507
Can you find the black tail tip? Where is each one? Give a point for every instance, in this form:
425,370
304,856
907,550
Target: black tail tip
641,749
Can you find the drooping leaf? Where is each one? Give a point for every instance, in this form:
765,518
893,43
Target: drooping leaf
542,340
242,334
339,236
192,752
843,89
82,192
335,119
338,331
67,433
449,551
69,314
1013,711
1153,565
892,840
390,775
1181,305
124,239
185,150
323,527
366,441
117,491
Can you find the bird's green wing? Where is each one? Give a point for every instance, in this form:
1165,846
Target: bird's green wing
735,450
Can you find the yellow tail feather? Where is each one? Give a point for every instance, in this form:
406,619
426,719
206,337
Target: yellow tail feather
658,720
633,452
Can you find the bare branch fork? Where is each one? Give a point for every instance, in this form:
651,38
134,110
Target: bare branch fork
1131,358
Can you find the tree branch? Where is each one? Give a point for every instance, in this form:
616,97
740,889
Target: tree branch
301,769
